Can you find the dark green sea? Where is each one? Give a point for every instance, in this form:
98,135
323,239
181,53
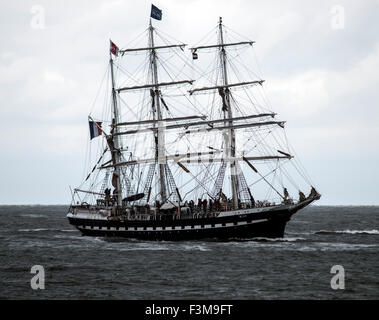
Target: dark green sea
295,267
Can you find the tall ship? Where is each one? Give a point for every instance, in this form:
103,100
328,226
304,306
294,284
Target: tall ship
186,146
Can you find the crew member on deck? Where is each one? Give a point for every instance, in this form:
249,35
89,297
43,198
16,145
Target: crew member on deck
199,204
205,202
115,195
107,196
210,205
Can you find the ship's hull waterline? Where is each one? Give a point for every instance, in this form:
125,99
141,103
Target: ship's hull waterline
267,222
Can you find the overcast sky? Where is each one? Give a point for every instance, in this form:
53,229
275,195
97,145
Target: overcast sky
320,60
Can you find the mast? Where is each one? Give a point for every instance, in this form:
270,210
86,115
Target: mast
157,114
116,147
228,114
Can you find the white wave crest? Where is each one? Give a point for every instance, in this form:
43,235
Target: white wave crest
347,231
33,215
34,230
285,239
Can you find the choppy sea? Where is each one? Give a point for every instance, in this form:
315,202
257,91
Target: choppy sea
295,267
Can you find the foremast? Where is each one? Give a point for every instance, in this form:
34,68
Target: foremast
113,140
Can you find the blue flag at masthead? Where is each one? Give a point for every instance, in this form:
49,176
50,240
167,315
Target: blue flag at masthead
156,13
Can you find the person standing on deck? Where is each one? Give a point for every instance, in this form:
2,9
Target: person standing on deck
205,202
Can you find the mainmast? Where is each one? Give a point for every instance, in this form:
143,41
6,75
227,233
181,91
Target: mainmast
229,141
115,148
158,135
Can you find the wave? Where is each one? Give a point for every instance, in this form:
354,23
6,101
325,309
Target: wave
303,246
46,229
327,246
133,248
285,239
80,238
33,215
367,232
195,247
159,246
34,230
264,239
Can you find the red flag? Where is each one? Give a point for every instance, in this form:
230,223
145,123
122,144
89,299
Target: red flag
113,48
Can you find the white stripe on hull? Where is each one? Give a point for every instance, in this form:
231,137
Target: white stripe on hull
150,229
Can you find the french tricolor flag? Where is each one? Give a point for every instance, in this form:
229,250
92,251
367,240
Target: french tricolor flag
95,129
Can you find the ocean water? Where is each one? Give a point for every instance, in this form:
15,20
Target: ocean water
295,267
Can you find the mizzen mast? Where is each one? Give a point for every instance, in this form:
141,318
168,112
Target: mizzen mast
230,137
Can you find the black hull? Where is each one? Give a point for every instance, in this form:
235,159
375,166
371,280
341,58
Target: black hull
270,229
267,223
